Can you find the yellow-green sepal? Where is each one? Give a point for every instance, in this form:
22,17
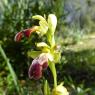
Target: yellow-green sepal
52,22
43,47
33,54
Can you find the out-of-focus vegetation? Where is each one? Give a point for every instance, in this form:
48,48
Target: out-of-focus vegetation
75,33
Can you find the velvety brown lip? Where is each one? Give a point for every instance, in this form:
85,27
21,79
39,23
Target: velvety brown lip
35,71
38,65
18,36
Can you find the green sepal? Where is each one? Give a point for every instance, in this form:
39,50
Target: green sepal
39,17
33,54
43,47
43,25
52,22
43,28
42,44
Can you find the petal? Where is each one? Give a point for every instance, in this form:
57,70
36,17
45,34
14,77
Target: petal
35,71
45,65
39,17
38,64
27,32
18,36
43,25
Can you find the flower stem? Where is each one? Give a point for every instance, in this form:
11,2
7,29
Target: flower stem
53,70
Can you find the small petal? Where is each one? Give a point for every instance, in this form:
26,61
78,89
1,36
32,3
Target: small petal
18,36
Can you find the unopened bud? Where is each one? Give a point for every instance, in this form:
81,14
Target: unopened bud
60,90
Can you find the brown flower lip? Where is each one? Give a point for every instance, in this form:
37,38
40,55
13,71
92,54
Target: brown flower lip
35,71
38,65
18,36
26,33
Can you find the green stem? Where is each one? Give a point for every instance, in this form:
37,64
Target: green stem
10,69
53,70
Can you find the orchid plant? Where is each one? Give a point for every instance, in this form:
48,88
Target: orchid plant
47,55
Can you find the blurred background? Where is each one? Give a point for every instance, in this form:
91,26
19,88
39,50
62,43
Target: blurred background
75,33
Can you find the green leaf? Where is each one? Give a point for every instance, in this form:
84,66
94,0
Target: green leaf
33,54
46,88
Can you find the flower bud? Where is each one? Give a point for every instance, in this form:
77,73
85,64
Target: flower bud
60,90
